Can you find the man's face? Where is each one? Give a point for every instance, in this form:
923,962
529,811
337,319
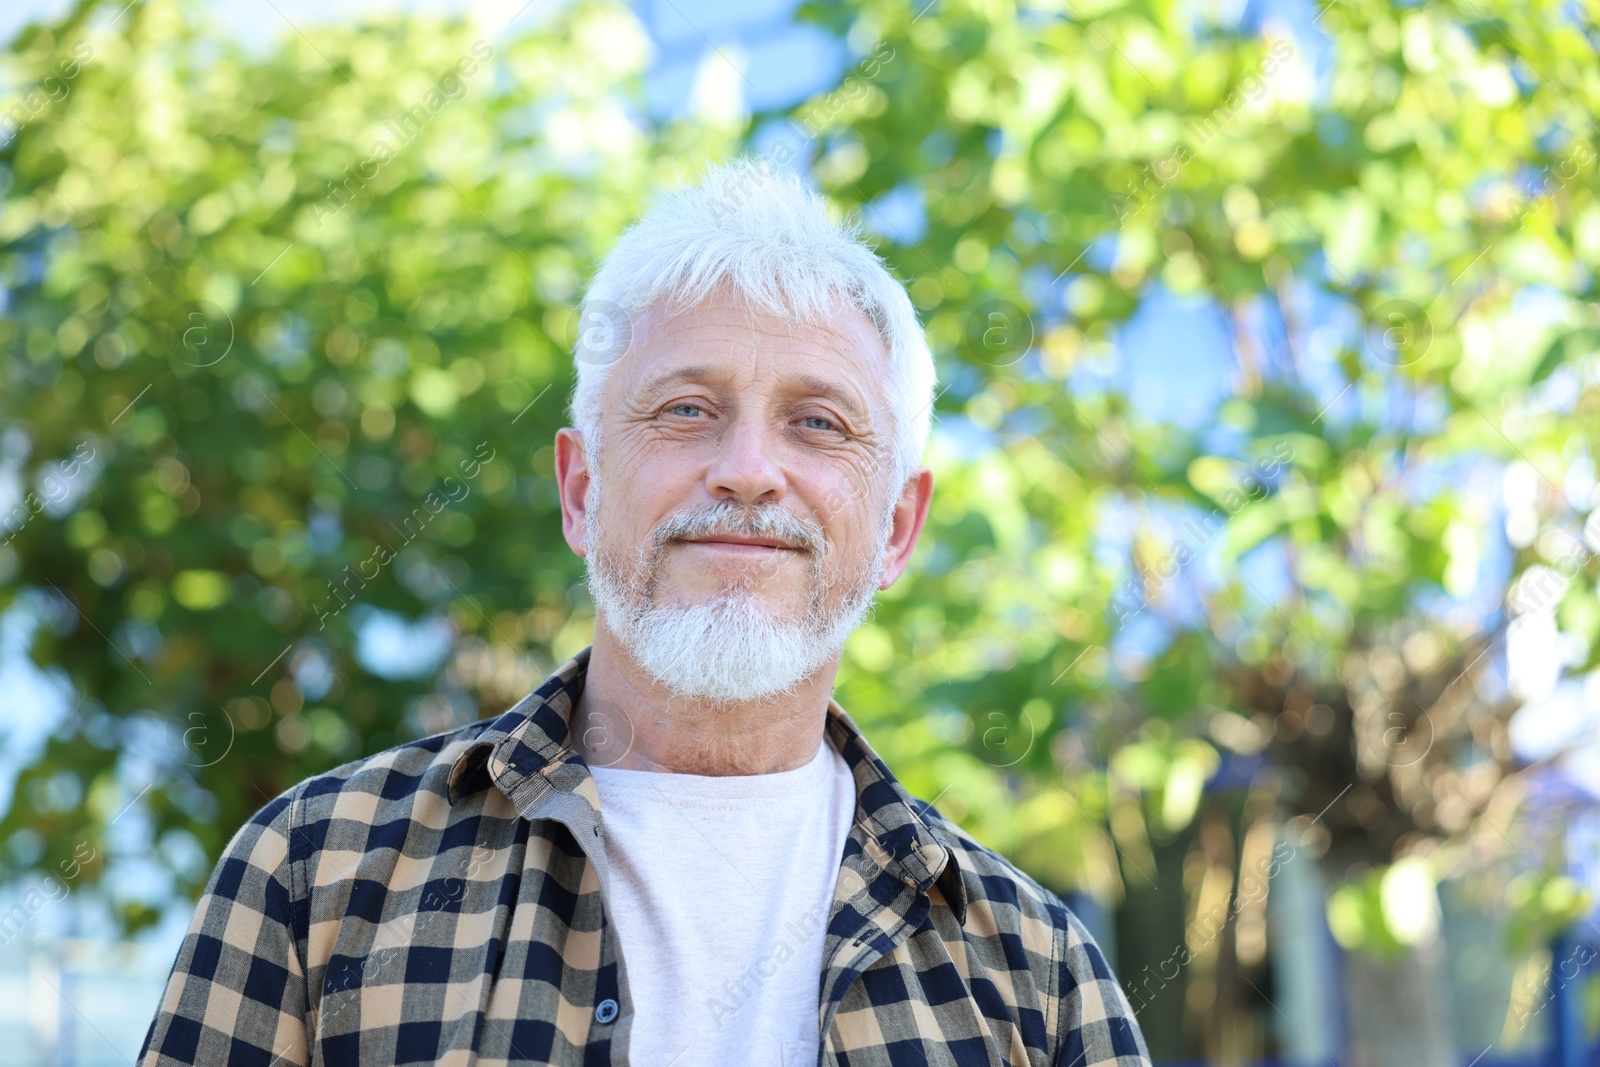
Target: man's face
745,462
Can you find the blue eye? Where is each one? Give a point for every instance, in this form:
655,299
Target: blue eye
826,424
678,409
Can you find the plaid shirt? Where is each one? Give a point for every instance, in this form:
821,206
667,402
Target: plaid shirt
443,902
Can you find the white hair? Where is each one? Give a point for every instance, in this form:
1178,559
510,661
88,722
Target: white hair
777,243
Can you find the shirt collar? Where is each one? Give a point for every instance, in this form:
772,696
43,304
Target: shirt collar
532,741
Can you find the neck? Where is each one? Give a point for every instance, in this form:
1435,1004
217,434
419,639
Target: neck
626,719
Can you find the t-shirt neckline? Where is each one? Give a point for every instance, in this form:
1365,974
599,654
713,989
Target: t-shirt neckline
806,778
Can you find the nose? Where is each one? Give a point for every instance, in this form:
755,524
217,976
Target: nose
743,469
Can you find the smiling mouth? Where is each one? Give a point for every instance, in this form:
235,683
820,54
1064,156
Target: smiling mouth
744,546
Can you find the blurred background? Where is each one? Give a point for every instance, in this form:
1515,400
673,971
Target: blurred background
1256,613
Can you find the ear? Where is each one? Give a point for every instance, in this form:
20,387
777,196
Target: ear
910,512
572,485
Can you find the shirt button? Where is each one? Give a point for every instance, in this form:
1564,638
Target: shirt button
605,1011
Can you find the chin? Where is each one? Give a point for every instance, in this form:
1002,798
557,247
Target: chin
735,603
726,652
773,600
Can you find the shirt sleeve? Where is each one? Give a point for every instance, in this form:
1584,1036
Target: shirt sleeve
1097,1026
237,993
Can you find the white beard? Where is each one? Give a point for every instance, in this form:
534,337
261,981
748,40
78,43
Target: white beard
729,649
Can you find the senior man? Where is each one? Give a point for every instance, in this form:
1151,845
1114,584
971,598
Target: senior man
679,849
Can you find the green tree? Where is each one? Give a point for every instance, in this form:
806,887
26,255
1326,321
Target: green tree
287,337
297,325
1072,159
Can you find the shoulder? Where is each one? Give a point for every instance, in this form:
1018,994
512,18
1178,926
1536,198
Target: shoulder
348,806
1026,908
1089,1015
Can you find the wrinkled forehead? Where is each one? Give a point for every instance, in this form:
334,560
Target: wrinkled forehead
729,341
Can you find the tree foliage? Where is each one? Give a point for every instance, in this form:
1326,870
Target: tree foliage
287,336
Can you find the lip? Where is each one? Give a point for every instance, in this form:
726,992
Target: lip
742,545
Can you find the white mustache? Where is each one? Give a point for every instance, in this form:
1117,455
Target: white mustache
726,518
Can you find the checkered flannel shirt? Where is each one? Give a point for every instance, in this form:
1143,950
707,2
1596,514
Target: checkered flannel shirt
444,902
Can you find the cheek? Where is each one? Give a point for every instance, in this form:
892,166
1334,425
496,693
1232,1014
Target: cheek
847,525
652,467
636,495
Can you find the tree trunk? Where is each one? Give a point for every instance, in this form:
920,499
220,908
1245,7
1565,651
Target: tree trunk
1400,1009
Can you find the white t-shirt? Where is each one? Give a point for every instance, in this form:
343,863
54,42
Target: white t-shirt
720,889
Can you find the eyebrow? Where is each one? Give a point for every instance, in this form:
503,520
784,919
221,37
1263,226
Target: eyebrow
695,372
835,392
706,373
